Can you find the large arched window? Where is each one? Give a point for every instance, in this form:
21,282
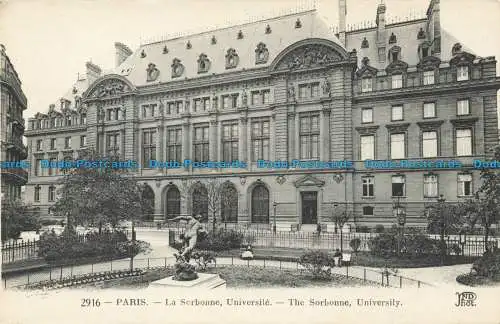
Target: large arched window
173,202
200,201
229,203
148,203
260,204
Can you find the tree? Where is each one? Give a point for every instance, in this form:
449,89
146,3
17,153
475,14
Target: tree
99,196
340,219
16,218
489,197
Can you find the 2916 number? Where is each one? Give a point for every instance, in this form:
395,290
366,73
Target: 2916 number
90,302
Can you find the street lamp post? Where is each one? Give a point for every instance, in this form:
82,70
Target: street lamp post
462,236
274,216
441,200
401,219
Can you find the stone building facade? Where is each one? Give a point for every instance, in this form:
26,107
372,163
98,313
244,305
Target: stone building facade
286,89
12,103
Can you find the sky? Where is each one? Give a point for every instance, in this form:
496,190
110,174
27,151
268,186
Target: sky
49,41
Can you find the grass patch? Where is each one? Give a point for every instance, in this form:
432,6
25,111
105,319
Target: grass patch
368,260
242,277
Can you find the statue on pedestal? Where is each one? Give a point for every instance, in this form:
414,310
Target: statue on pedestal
184,270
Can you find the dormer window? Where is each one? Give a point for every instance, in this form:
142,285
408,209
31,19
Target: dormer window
425,52
462,73
397,81
366,84
392,39
394,57
364,43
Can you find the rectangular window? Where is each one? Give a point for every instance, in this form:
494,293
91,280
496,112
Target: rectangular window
430,186
429,110
368,211
304,91
152,110
368,187
265,96
366,84
38,167
309,137
398,146
397,113
50,170
198,104
260,140
367,147
201,144
83,119
68,120
113,144
315,90
226,102
230,141
255,97
174,145
429,144
398,186
52,193
463,107
117,113
464,142
428,77
397,81
83,141
234,100
171,108
462,73
464,185
109,114
367,115
37,194
148,146
52,143
178,107
67,142
39,145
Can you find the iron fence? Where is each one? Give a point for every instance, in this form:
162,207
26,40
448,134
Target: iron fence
75,273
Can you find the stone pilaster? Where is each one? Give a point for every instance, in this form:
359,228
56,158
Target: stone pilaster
212,138
292,153
243,140
325,133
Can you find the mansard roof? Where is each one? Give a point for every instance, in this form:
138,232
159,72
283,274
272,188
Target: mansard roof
179,58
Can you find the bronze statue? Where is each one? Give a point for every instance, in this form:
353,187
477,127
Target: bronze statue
190,237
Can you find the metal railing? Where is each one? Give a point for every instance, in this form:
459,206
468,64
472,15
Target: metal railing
57,274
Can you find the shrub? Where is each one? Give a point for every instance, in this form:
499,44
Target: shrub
417,245
221,240
203,258
488,265
318,263
379,228
383,245
355,244
362,229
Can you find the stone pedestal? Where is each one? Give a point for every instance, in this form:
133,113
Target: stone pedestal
204,281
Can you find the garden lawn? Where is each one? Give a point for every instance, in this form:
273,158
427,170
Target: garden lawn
366,259
242,277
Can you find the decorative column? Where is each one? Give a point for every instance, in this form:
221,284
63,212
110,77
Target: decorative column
160,143
186,131
291,136
243,141
325,135
212,139
272,139
296,138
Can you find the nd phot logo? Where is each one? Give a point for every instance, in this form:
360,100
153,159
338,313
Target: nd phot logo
466,299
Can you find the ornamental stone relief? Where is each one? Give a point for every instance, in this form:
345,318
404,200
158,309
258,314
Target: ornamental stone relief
261,54
309,56
203,63
110,88
177,68
232,59
152,72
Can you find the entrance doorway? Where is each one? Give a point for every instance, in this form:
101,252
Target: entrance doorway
309,207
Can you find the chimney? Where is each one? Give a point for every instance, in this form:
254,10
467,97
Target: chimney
342,20
434,27
122,52
93,72
381,32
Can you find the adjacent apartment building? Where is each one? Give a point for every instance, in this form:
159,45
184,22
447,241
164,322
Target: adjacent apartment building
12,103
284,89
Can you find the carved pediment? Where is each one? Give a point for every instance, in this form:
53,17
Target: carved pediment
396,67
109,88
430,125
429,63
309,180
460,56
309,56
366,70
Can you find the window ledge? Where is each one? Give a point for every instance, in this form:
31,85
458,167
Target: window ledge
396,197
368,197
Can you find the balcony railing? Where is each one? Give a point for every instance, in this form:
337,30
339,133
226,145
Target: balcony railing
11,80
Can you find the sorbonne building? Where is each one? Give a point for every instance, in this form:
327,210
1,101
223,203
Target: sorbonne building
284,89
12,102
